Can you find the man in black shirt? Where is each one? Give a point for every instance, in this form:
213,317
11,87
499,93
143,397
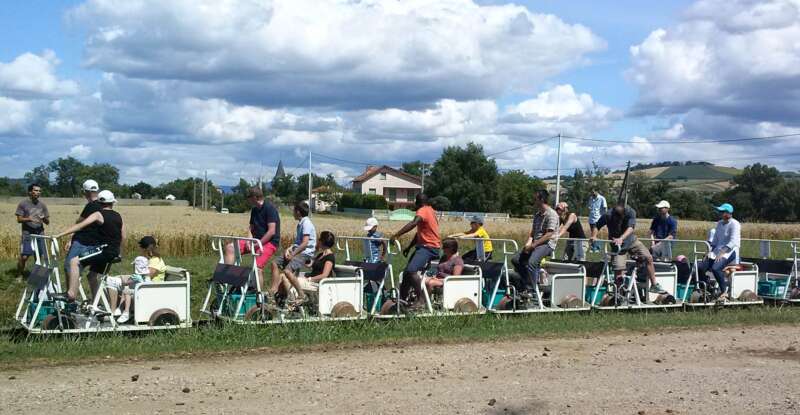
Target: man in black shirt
621,222
86,239
265,225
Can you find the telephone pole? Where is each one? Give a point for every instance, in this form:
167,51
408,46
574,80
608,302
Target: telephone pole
310,204
558,171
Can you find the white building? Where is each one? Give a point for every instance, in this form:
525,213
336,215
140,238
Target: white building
169,197
398,187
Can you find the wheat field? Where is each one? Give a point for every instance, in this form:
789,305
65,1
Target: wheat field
182,231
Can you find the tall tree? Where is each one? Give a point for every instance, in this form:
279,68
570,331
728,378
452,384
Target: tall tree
412,167
466,177
515,192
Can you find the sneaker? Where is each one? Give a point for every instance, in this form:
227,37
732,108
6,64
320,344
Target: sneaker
656,289
117,312
123,318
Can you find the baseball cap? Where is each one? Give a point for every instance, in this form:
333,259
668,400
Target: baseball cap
662,204
140,265
90,186
370,223
147,241
476,219
725,207
106,197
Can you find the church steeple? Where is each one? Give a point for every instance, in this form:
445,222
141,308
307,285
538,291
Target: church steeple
279,172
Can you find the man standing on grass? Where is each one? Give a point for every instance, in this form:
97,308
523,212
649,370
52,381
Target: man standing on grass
597,207
32,214
540,244
725,243
663,229
427,243
621,222
265,225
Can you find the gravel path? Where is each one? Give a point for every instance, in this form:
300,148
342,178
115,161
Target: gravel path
731,371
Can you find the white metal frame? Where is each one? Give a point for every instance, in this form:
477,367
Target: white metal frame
392,249
218,243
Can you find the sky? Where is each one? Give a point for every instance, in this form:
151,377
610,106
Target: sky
173,89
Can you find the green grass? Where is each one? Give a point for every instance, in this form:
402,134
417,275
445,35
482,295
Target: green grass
16,352
20,350
697,172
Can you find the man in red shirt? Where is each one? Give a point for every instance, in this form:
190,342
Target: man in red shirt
427,243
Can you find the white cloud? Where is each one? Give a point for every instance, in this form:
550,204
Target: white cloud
15,116
80,151
31,76
369,54
733,58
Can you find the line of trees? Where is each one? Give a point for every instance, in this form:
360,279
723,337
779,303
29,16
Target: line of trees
462,179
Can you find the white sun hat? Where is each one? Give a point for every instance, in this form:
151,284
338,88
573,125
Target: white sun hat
662,204
90,186
106,197
370,223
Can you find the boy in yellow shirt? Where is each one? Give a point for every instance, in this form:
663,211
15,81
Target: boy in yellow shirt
476,230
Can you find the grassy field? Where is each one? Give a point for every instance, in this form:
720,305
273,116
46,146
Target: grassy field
17,351
182,231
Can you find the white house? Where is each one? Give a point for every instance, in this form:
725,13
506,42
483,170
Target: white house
169,197
398,187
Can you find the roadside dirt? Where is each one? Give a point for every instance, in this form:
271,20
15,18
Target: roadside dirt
731,371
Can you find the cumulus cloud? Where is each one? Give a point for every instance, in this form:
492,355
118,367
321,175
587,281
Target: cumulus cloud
80,151
368,54
15,116
31,76
725,58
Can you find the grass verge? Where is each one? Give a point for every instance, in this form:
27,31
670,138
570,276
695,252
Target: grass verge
21,351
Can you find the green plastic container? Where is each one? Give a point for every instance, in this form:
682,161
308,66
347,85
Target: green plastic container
491,303
48,309
682,294
590,294
775,287
370,297
250,300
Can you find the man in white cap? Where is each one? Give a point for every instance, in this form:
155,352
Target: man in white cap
725,243
110,233
663,228
85,239
374,251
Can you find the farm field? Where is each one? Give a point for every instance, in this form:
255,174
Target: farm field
182,231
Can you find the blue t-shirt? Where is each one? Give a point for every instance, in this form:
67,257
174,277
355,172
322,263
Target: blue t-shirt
372,249
305,227
260,217
663,227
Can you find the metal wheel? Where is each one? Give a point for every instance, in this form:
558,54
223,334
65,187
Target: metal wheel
465,305
748,295
343,309
51,322
389,308
570,301
164,317
255,314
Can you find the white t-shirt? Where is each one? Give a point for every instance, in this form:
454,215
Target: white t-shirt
305,227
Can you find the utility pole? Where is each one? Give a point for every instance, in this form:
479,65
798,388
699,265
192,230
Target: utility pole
423,178
558,171
221,200
205,190
310,204
194,193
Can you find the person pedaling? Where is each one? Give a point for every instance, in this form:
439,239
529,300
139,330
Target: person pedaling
426,245
107,230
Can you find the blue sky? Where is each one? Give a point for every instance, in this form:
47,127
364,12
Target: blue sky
170,89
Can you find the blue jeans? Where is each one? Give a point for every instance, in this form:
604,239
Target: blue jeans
527,265
76,249
716,268
422,256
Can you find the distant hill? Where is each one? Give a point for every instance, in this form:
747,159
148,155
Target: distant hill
698,172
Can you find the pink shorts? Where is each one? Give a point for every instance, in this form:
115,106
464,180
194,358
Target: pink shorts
263,257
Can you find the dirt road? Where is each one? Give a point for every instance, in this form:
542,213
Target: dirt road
731,371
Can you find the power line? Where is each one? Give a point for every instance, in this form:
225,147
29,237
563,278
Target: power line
522,146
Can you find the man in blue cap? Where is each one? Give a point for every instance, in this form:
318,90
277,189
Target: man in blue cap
724,248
